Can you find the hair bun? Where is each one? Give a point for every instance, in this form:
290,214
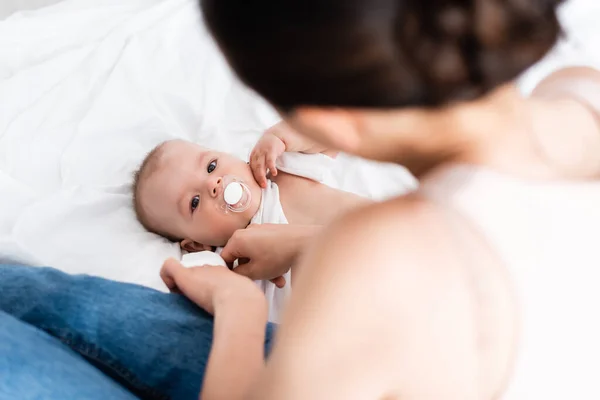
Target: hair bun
465,48
380,53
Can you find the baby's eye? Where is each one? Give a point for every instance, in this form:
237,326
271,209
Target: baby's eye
194,203
212,166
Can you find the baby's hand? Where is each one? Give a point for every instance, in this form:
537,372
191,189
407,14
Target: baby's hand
278,139
265,154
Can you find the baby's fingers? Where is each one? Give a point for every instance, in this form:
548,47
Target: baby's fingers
271,163
259,169
279,281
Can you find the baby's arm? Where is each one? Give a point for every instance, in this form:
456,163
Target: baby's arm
278,139
294,142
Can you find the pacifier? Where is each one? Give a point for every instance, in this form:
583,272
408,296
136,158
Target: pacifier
236,195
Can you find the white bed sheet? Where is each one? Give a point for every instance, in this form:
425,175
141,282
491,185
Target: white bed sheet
87,88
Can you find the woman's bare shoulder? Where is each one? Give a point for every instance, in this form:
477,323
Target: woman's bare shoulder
566,121
561,82
373,295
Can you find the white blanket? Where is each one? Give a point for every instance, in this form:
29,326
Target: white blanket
87,88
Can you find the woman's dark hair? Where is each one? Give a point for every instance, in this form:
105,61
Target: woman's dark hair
380,53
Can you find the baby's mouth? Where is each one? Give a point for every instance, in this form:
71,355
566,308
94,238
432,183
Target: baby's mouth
232,194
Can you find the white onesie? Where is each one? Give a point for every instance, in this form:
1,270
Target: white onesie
316,167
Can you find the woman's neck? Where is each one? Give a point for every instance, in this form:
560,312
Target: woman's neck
467,133
503,131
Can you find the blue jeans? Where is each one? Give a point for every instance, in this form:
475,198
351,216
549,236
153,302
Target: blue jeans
67,337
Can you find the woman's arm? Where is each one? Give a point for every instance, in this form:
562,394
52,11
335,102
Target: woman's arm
236,358
383,308
237,355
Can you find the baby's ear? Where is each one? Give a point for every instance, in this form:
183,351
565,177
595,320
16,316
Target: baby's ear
192,247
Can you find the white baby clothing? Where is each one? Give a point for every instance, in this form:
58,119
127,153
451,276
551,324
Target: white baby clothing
271,212
316,167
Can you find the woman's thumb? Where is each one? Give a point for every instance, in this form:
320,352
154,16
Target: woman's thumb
168,272
246,270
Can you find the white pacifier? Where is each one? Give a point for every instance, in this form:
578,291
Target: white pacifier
233,193
236,195
202,258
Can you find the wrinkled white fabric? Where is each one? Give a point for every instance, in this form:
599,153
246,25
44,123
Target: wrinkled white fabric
271,212
87,89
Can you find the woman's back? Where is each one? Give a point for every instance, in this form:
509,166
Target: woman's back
482,285
546,235
484,282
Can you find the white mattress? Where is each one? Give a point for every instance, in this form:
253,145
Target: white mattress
88,88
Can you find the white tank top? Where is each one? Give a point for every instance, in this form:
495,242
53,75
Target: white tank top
548,237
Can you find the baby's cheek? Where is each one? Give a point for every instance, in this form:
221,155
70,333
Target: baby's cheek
223,227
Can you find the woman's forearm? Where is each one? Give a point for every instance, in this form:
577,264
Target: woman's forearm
237,355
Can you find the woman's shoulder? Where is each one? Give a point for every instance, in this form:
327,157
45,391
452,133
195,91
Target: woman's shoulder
566,121
579,82
409,221
403,271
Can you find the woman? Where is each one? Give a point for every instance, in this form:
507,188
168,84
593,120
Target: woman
449,293
452,292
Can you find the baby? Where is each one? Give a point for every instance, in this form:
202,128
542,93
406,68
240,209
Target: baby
181,192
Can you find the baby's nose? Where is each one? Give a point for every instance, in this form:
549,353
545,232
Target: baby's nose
216,187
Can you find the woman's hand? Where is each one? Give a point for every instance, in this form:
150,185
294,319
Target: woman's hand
270,248
212,287
240,311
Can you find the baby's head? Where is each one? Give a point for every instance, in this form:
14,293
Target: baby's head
178,193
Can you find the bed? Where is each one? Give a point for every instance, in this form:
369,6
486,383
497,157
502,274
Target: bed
87,88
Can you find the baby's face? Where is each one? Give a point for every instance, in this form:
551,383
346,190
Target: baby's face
181,197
